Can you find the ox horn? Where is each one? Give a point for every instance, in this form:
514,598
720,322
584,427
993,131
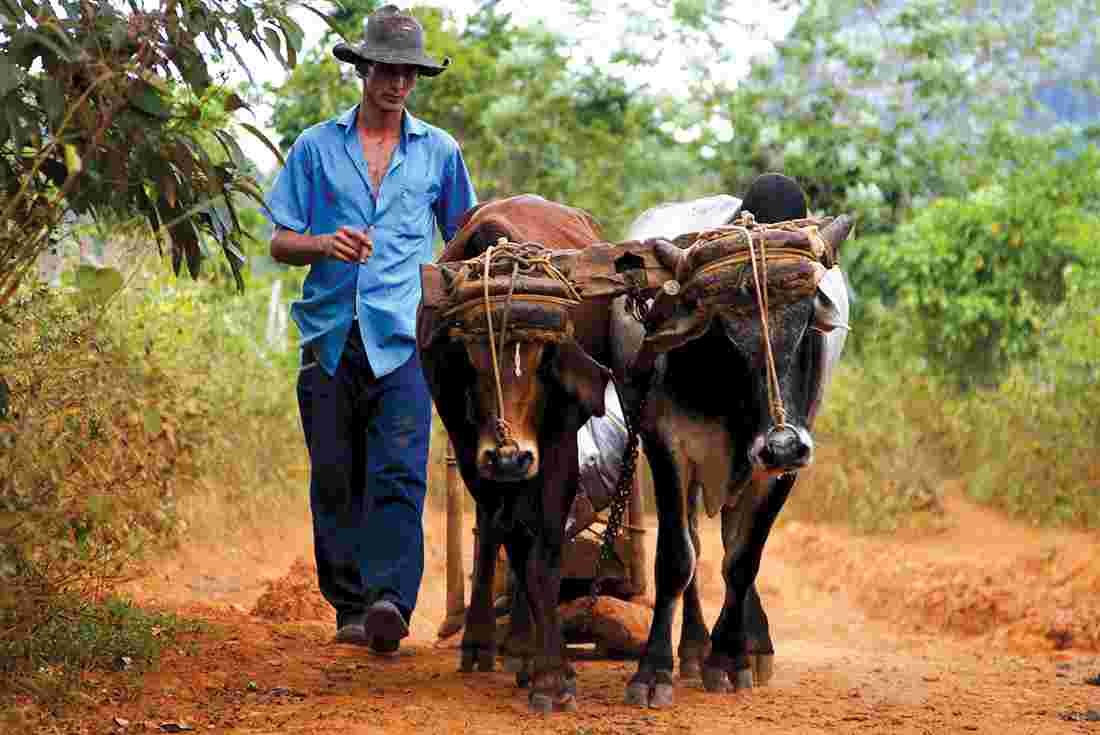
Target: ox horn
837,232
671,257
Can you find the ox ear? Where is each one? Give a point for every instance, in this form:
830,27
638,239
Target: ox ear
831,302
581,377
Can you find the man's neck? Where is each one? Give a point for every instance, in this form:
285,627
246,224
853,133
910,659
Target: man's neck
375,121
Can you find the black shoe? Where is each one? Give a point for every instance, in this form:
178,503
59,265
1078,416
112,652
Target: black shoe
384,647
385,626
352,630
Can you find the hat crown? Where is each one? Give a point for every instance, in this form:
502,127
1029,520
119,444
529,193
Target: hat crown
389,28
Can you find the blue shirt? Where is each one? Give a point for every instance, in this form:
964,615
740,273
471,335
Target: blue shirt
324,186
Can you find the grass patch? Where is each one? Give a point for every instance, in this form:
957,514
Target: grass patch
57,644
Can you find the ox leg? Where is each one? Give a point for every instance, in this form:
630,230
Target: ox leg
694,637
479,638
737,634
518,648
553,684
761,652
673,571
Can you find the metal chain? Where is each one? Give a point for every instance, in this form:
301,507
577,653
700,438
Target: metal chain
625,485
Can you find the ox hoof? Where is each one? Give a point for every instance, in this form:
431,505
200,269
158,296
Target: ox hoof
716,680
691,668
763,667
742,679
569,685
637,694
544,704
650,689
477,659
662,696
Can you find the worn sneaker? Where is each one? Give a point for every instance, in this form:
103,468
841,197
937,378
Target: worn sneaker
385,626
384,647
353,631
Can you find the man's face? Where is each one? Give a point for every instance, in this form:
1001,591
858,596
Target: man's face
387,85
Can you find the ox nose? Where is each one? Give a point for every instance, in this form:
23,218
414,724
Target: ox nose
510,462
785,447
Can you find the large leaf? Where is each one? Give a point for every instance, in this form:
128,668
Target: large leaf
266,141
147,98
53,100
98,284
232,149
10,76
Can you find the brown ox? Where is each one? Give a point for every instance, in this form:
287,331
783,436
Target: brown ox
523,478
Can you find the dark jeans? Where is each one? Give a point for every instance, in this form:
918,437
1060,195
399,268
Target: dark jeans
368,449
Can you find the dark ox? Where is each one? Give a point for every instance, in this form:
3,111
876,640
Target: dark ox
524,481
710,437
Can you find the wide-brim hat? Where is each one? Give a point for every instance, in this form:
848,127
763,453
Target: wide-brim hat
392,37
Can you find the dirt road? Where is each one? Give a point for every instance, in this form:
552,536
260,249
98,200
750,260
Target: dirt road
988,627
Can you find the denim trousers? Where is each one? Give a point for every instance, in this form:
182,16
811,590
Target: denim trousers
368,448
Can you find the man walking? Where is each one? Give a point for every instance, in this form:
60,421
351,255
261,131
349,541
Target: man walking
358,201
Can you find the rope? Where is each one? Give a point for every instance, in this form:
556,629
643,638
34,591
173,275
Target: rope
503,430
775,397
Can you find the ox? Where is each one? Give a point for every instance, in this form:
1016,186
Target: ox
542,386
710,438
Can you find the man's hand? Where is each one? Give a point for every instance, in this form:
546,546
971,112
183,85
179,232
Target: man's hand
351,246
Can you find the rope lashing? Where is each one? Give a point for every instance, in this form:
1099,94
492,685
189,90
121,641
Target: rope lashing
775,396
527,258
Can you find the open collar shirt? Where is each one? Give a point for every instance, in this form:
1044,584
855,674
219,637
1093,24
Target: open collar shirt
324,186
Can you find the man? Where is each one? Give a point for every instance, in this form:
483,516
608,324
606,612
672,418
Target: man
357,201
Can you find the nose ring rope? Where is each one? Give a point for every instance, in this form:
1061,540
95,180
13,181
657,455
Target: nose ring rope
775,397
503,430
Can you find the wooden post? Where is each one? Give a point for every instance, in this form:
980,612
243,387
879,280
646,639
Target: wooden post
638,572
456,583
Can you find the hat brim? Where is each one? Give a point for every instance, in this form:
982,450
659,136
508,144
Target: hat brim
426,65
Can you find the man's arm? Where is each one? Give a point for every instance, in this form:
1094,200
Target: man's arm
295,248
456,195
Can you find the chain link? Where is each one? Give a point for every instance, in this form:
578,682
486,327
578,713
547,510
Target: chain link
633,415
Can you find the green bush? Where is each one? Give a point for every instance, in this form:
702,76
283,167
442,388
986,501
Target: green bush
979,275
129,418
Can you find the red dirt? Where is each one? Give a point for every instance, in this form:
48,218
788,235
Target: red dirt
958,631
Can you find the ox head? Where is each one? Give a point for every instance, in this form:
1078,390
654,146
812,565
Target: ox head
546,389
776,361
804,338
532,386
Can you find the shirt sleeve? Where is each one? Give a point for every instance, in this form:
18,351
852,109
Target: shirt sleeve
289,202
456,194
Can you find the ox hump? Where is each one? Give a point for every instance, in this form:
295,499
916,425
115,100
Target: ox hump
675,218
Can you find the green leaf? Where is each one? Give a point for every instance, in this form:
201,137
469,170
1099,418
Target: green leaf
264,139
275,43
262,265
53,101
73,162
232,149
98,284
147,98
151,420
10,76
